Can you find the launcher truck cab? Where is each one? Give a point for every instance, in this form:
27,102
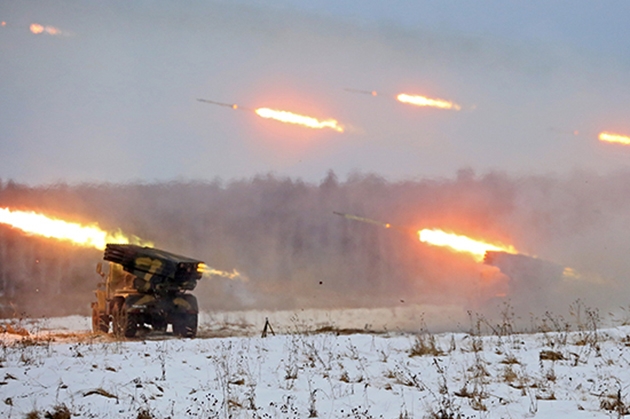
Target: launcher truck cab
146,288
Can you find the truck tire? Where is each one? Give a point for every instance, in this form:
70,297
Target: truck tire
185,325
117,319
100,322
125,323
159,324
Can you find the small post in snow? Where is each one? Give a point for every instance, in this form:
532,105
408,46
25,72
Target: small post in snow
267,326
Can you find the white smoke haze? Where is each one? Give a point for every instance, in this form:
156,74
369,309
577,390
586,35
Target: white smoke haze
104,126
282,235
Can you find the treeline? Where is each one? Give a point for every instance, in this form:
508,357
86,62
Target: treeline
292,251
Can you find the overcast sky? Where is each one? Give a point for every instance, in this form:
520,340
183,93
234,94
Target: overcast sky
112,96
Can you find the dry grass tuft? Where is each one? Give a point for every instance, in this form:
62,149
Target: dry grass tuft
145,414
423,345
613,402
547,355
60,411
510,360
100,392
341,331
508,374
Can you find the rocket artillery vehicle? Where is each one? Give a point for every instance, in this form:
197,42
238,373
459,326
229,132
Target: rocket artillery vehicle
146,287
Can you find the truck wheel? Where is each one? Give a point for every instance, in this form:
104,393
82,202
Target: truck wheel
185,325
159,324
131,326
100,322
117,320
125,323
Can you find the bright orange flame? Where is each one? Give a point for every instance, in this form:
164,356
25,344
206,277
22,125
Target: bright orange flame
292,118
609,137
36,28
4,23
52,31
41,225
418,100
460,243
208,271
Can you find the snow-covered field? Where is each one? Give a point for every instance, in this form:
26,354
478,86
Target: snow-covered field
56,368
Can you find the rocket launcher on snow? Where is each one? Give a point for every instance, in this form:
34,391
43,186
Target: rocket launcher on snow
156,270
146,286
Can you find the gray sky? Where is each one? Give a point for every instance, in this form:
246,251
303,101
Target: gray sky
113,97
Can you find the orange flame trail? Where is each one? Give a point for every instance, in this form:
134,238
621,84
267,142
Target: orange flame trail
41,225
418,100
208,271
460,243
437,237
37,29
293,118
609,137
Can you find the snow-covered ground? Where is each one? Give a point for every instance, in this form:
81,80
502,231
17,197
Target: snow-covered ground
325,371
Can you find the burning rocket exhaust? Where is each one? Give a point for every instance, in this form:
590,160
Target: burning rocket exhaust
90,236
208,271
285,116
38,29
75,233
463,244
415,100
293,118
610,137
436,237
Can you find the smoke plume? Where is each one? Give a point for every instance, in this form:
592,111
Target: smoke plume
282,235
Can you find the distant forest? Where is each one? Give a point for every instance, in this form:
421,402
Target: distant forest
293,252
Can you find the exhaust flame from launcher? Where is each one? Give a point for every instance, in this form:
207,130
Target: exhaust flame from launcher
85,235
435,237
285,116
81,235
208,271
610,137
459,243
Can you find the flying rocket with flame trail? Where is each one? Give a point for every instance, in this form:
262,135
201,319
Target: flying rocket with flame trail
227,105
284,116
437,237
414,99
38,29
610,137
